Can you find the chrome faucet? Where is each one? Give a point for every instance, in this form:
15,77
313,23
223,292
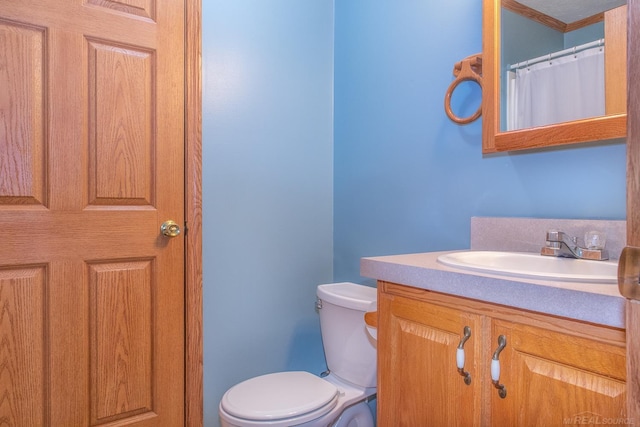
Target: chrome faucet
560,244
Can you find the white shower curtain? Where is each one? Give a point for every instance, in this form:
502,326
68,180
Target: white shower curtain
562,89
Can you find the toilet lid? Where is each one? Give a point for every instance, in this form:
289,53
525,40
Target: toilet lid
278,396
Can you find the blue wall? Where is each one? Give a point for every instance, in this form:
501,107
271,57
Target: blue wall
318,152
267,190
407,179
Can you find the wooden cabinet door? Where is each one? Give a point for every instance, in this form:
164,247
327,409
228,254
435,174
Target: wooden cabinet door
553,378
418,382
91,164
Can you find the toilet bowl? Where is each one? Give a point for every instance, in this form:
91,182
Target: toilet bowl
299,398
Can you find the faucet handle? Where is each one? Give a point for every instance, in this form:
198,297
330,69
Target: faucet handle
595,240
554,236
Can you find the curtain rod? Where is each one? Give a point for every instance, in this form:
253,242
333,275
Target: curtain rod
558,54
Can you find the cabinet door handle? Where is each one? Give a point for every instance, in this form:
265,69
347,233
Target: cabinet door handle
495,367
460,355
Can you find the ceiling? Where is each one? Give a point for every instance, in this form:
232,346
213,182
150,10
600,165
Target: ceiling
569,11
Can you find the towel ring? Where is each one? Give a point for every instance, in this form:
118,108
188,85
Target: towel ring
469,69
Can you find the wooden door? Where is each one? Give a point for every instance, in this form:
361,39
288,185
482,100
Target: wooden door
419,384
91,164
553,378
633,203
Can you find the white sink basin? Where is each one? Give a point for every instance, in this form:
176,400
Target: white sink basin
530,265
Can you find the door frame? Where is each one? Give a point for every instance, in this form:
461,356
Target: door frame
633,201
193,215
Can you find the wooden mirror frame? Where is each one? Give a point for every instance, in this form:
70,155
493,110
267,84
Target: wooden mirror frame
610,126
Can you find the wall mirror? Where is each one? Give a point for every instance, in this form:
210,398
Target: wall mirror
553,72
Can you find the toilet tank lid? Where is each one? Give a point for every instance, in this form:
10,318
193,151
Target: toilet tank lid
349,295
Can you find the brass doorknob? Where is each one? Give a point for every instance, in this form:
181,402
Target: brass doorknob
170,228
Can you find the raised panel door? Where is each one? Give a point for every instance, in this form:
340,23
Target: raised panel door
557,379
419,384
91,164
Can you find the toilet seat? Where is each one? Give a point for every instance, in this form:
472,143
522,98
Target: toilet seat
281,396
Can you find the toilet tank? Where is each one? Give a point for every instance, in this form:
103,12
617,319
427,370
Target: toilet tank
348,346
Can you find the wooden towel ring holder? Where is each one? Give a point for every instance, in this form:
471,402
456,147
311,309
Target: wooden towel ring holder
469,69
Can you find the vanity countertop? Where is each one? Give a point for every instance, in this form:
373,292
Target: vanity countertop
590,302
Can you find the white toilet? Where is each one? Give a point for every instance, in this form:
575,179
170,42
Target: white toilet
339,399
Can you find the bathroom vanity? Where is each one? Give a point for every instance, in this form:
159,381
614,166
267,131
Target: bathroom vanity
559,347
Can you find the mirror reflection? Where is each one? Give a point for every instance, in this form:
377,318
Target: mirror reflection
554,62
